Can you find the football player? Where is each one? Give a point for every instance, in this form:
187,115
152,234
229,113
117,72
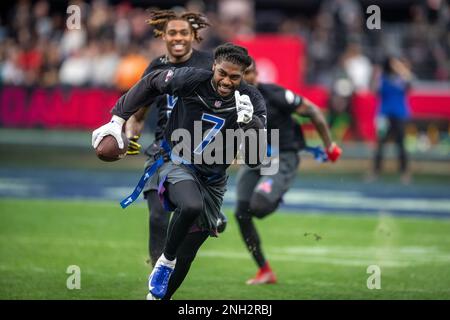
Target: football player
258,195
179,31
218,100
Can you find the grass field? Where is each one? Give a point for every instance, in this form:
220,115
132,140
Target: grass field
39,239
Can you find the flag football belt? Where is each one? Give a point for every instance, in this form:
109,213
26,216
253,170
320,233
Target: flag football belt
162,156
317,152
165,154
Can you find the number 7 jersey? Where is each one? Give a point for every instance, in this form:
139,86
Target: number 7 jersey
197,102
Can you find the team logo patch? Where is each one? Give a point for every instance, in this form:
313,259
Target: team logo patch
218,104
169,75
266,186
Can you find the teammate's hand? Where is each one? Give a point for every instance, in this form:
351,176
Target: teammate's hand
114,128
333,152
134,148
244,107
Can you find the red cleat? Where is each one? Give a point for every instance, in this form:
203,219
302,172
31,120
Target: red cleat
264,276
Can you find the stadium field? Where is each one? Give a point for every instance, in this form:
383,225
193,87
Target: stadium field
315,256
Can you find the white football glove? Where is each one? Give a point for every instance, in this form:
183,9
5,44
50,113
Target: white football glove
114,128
244,108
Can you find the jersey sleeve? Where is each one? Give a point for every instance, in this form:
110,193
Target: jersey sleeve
285,99
179,82
151,67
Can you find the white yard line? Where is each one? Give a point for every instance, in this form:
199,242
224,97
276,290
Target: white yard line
316,199
352,199
400,257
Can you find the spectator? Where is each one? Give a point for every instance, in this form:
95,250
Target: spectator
76,70
11,73
341,93
105,64
43,23
130,70
357,66
393,113
37,32
51,64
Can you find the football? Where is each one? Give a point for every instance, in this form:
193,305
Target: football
108,150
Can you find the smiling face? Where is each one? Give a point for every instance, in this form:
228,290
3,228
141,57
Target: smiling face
178,36
227,77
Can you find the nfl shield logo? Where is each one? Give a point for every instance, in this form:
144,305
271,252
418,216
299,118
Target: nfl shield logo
218,104
169,75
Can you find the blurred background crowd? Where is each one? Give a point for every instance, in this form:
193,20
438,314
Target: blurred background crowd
51,64
36,47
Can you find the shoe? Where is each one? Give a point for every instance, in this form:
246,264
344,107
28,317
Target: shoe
159,278
222,222
263,276
151,297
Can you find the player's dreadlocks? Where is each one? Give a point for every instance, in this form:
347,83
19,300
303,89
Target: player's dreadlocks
234,54
160,18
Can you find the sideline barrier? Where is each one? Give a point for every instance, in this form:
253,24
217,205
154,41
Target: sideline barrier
89,108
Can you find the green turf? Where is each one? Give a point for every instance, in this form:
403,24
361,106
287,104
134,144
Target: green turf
40,239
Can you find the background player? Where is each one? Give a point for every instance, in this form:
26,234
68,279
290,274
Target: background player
392,86
194,190
259,196
178,31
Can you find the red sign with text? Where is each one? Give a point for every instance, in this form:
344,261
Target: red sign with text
89,108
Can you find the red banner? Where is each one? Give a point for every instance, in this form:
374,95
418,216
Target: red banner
279,59
88,108
73,108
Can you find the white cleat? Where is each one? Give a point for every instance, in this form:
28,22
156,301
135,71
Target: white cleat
151,297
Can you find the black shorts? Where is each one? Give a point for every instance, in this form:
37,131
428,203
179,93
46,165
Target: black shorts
212,192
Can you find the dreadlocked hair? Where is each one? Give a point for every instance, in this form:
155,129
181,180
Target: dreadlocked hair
159,19
234,54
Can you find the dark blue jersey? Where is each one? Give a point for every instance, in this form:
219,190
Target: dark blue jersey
280,104
197,102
